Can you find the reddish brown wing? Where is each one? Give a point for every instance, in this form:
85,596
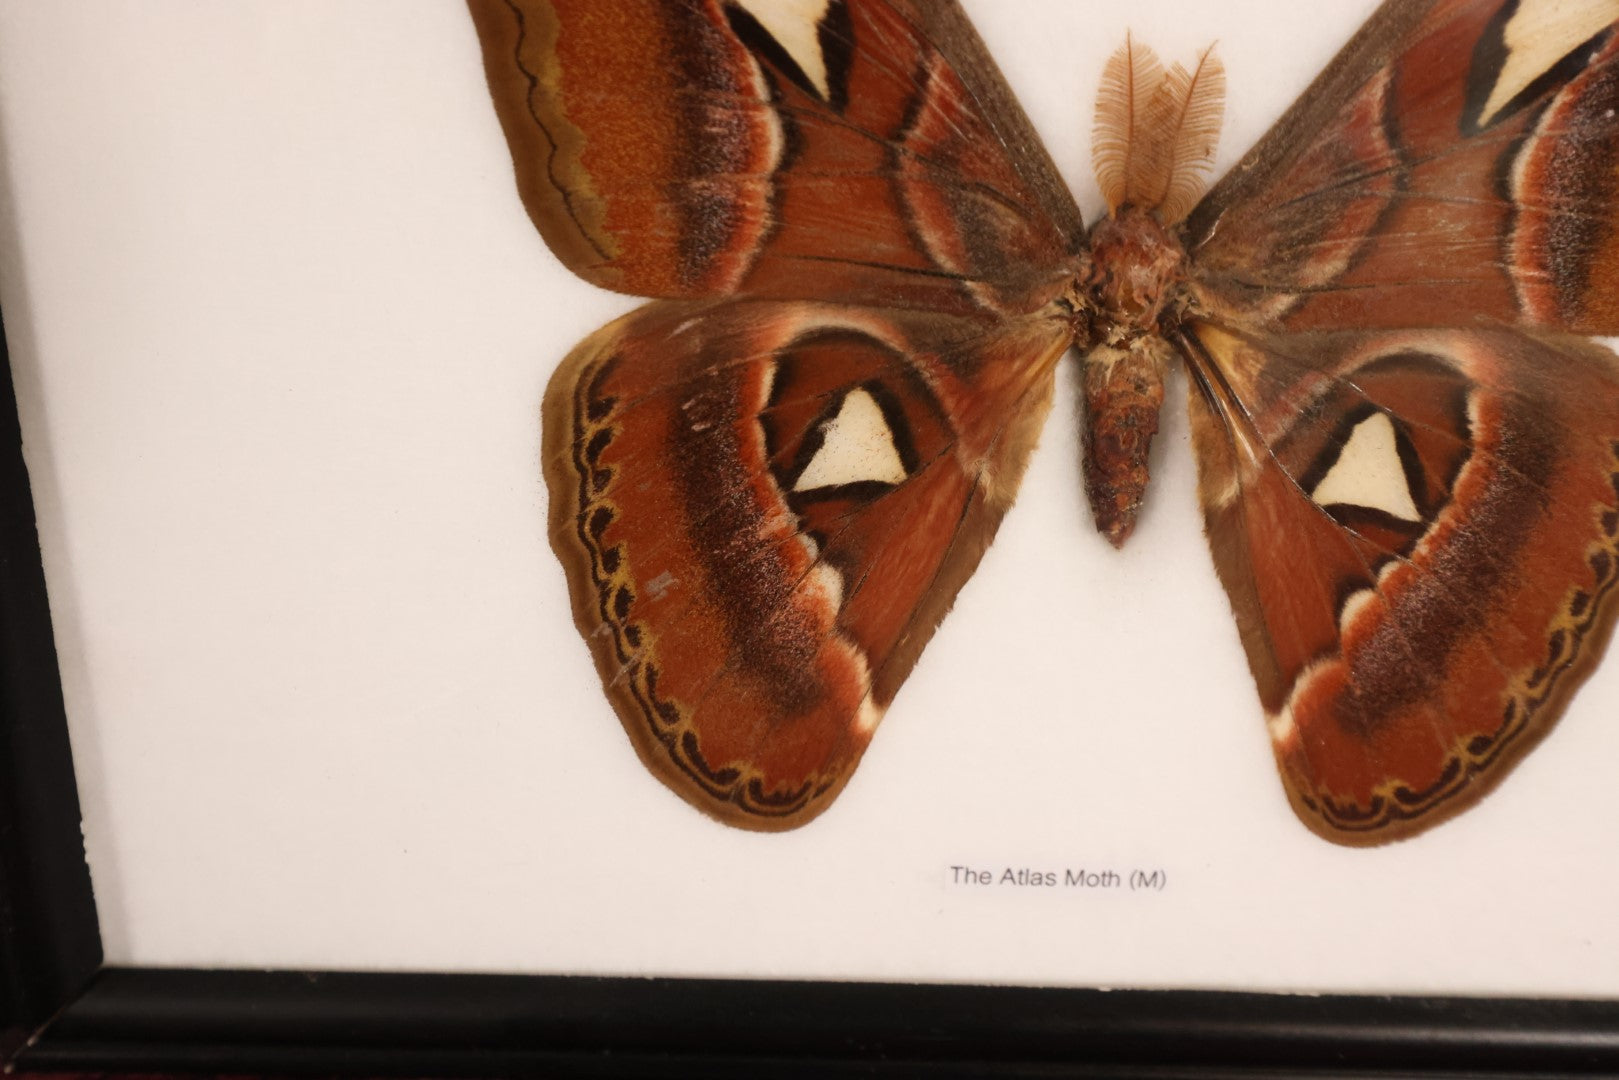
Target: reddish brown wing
766,504
1419,532
1459,160
1407,467
857,150
765,509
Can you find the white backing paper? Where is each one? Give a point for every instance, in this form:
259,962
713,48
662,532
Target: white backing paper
280,331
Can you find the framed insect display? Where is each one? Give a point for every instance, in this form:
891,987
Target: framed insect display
301,495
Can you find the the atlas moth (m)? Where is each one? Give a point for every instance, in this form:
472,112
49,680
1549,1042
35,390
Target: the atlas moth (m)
768,485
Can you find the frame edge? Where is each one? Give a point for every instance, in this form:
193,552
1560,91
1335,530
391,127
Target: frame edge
50,940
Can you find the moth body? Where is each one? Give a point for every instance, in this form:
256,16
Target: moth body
1155,132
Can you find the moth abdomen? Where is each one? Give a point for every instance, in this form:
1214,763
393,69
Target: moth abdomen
1124,390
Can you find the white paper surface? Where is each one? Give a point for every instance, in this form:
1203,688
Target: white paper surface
281,329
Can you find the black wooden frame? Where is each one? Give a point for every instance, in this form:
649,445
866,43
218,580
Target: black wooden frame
60,1009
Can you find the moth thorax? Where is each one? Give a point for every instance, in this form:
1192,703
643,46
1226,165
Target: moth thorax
1137,266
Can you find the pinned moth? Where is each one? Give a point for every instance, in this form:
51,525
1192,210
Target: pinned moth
768,485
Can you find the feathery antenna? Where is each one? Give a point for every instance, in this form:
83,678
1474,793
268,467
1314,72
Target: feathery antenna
1156,132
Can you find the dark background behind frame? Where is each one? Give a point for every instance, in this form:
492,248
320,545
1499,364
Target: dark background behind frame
49,940
60,1010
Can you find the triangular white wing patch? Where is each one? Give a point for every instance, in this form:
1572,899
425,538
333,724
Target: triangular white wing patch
796,26
1368,472
856,446
1537,36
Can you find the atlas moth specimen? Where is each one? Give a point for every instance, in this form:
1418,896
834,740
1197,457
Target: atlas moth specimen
768,485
